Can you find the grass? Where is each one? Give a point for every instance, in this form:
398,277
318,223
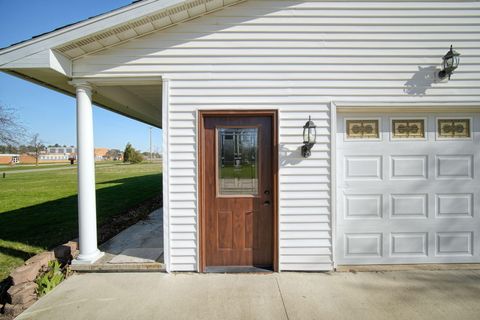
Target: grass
38,210
21,167
33,167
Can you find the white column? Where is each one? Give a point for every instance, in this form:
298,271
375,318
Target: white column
87,211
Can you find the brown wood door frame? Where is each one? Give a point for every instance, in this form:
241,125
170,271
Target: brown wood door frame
273,114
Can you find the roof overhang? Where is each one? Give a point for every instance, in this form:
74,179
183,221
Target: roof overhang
47,59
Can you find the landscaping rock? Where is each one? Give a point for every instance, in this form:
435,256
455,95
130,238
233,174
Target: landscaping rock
73,244
23,297
63,253
22,293
42,259
26,273
13,310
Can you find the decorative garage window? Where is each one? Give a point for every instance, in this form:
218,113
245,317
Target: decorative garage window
408,129
365,129
453,128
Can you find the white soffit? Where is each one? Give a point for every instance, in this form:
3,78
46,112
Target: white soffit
112,28
139,27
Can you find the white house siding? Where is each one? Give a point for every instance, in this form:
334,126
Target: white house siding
296,57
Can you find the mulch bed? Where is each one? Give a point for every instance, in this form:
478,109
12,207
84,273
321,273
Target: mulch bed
113,225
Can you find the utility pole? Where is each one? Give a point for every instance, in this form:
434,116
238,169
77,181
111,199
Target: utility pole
151,157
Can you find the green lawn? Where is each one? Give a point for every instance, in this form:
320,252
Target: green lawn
33,167
7,168
38,210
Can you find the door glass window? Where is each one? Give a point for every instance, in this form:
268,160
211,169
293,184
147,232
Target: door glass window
237,161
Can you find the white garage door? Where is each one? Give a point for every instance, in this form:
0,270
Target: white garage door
408,188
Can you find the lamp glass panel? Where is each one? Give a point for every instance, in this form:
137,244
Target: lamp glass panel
456,61
449,62
312,132
305,135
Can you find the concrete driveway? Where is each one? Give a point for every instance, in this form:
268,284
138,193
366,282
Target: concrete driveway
381,295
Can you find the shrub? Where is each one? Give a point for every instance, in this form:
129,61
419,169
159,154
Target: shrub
131,155
50,279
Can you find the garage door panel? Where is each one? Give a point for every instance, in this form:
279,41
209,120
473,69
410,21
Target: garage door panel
407,244
409,206
368,206
403,201
363,168
408,247
454,166
363,245
454,243
454,205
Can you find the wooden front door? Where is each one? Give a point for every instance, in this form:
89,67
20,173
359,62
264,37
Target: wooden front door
238,192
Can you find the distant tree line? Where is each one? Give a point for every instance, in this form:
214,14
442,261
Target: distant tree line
21,148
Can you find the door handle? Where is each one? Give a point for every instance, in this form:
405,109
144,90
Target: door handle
266,203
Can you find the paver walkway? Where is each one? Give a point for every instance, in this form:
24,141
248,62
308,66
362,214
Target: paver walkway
381,295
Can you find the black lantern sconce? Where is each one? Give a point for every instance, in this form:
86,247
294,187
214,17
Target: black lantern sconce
450,62
309,137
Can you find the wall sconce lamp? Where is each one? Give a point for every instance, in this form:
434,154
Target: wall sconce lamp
450,62
309,137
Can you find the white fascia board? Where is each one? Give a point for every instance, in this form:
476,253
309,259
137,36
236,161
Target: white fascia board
46,59
84,28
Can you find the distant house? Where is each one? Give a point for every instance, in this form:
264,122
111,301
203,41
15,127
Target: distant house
101,153
64,154
9,158
61,150
389,175
23,158
57,154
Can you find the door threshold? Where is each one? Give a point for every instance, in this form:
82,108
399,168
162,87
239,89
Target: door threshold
238,269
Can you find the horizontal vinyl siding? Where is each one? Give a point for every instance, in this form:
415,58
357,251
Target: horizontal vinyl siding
295,57
304,215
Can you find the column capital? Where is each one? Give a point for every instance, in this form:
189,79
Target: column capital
81,84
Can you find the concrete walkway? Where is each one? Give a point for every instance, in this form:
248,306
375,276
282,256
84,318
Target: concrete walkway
389,295
137,248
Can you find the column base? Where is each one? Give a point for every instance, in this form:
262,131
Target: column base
88,259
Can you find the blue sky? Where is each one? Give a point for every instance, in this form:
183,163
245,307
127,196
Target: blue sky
49,113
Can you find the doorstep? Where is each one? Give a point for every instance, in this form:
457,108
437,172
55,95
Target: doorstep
119,267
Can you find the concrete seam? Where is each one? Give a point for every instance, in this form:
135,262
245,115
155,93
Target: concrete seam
281,296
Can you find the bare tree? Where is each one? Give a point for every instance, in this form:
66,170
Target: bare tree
11,132
37,146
